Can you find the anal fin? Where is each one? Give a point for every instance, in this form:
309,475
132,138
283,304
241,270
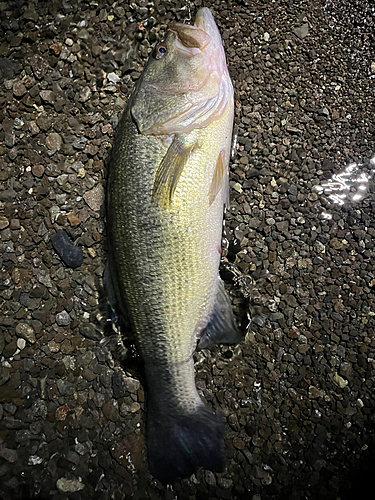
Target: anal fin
221,329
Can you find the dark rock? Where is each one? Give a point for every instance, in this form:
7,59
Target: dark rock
71,255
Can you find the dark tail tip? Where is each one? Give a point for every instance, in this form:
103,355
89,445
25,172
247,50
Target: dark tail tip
178,444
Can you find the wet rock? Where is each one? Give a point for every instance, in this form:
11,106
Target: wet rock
69,485
63,318
111,411
130,451
119,385
65,387
26,331
19,89
8,454
4,222
301,31
61,413
37,170
95,197
39,66
70,254
54,142
88,330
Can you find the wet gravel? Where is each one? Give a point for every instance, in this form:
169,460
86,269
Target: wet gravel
298,258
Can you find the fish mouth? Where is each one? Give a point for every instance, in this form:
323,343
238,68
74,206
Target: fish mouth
190,37
201,34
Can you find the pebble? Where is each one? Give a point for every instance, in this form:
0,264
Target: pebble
73,220
39,66
63,318
69,485
53,142
26,331
301,31
71,255
21,344
112,77
19,89
95,197
4,222
37,170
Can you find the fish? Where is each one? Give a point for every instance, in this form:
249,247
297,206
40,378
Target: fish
168,185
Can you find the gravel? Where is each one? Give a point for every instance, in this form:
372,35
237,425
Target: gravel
298,253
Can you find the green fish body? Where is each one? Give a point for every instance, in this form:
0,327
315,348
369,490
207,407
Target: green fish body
167,186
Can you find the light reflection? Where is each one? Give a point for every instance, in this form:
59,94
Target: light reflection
348,186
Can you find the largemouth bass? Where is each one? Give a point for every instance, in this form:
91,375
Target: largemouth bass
167,186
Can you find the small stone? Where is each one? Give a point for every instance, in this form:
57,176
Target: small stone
48,96
130,451
37,170
336,244
373,67
238,443
53,346
85,94
210,478
110,410
54,142
319,247
339,381
55,48
73,220
26,331
33,127
132,384
69,485
3,222
70,254
21,343
64,387
63,318
113,78
9,455
19,89
95,197
39,66
61,413
301,31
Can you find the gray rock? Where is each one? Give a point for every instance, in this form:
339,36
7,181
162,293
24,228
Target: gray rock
63,318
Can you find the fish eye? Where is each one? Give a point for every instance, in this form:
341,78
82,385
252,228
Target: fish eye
160,51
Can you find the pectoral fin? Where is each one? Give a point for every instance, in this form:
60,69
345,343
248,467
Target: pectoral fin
221,328
220,180
169,172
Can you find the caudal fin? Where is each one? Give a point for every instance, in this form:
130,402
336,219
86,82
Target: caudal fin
178,444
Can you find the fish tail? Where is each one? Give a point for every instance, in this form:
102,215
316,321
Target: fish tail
177,444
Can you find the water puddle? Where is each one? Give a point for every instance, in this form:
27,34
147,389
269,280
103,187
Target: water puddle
349,186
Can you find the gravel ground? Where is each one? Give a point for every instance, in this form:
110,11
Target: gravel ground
298,259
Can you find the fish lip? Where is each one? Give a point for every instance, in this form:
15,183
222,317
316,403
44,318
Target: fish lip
203,33
190,37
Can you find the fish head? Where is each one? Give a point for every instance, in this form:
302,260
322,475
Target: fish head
185,84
